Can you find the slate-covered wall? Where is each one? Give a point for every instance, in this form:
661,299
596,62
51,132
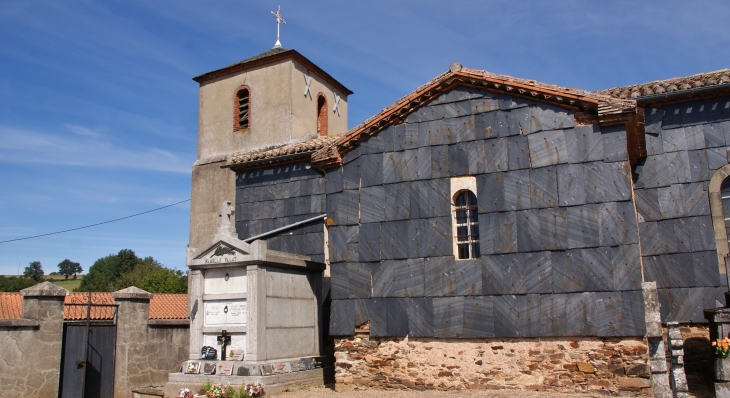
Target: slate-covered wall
277,196
686,143
559,237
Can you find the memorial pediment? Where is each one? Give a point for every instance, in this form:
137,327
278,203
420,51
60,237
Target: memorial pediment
225,250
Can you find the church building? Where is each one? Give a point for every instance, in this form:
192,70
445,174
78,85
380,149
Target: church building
484,231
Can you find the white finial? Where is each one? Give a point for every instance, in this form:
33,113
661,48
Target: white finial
279,21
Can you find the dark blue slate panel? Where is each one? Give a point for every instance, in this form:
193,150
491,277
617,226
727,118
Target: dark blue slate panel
317,204
477,161
673,168
371,170
706,271
411,136
654,143
529,310
654,271
485,126
383,278
679,269
478,317
716,158
674,140
647,204
420,317
553,316
584,144
607,182
547,148
675,305
518,153
397,317
408,278
484,104
517,190
419,202
440,161
423,163
458,159
466,275
465,129
378,318
353,252
490,192
626,267
495,155
614,143
609,314
695,137
340,281
493,271
342,318
702,234
598,263
391,167
672,116
448,317
543,187
548,117
439,278
713,135
536,271
439,198
571,184
363,309
699,165
334,180
700,298
387,137
417,231
427,134
506,316
528,231
392,233
351,155
369,243
371,204
581,308
498,232
649,239
347,207
583,226
437,241
554,228
399,133
397,201
373,144
351,174
568,271
674,235
632,314
360,277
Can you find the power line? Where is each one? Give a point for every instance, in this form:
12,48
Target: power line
94,225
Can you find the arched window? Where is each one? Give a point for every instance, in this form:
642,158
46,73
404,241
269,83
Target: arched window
321,115
466,218
241,111
725,195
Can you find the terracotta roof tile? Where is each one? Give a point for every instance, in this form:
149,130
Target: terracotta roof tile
75,306
676,84
271,153
11,305
169,306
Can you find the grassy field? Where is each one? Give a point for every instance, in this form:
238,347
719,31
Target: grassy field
69,285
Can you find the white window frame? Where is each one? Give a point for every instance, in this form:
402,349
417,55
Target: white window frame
458,185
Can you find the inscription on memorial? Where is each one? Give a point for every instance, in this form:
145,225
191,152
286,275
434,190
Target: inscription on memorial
225,312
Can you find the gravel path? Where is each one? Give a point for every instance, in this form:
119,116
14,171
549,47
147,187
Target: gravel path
323,392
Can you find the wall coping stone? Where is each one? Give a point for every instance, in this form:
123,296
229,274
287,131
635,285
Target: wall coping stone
44,289
20,322
132,292
169,322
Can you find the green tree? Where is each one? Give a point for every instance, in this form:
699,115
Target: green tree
34,271
68,268
118,271
13,284
105,271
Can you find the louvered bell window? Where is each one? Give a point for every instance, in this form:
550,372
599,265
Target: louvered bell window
243,104
467,225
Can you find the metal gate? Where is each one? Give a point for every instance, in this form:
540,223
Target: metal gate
87,358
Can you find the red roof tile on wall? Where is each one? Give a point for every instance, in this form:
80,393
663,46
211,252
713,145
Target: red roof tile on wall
169,306
11,306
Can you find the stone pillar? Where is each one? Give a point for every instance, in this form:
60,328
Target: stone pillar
132,320
720,328
655,340
30,347
196,285
256,321
678,378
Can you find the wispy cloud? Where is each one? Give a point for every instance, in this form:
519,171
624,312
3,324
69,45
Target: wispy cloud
84,148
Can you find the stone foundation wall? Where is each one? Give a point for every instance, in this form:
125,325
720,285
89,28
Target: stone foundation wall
588,364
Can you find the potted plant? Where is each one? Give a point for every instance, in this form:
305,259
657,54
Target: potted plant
722,364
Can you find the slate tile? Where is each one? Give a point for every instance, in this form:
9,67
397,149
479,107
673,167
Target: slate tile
701,233
363,309
371,204
484,104
607,181
696,200
477,161
553,315
420,317
347,207
653,120
340,281
518,153
632,314
369,243
440,161
392,233
671,201
547,148
583,226
498,232
427,134
423,163
342,321
582,310
695,138
478,317
458,159
614,143
360,280
647,204
397,201
543,187
409,165
379,317
553,228
517,190
598,269
373,144
536,270
674,235
706,271
649,238
399,132
628,228
466,275
410,138
699,166
716,158
609,222
337,245
697,299
675,305
609,314
513,122
439,198
490,192
397,317
654,143
529,310
528,231
506,316
568,271
438,239
351,174
547,117
713,135
679,269
387,137
333,181
571,184
417,232
353,252
495,155
408,278
493,268
439,277
674,140
317,204
673,168
448,317
654,271
419,201
484,126
465,129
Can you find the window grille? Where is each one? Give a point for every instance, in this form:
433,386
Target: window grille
725,193
467,225
243,105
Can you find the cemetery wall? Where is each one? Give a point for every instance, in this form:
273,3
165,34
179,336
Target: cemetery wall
618,366
558,231
686,144
274,197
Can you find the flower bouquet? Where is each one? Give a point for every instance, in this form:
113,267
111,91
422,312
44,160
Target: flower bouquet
254,390
722,347
186,393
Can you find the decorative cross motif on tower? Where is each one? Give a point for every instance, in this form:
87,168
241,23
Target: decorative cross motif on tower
336,108
279,21
307,92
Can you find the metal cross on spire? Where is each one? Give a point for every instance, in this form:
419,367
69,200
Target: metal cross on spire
279,21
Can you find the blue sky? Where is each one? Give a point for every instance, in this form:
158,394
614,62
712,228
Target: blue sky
98,112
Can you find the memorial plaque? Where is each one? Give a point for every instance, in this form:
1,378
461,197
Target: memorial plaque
192,368
243,371
214,314
278,368
224,369
237,311
209,368
287,367
308,363
225,313
236,354
266,370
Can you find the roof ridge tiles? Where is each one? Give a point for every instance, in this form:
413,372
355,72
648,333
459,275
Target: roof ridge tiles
665,86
